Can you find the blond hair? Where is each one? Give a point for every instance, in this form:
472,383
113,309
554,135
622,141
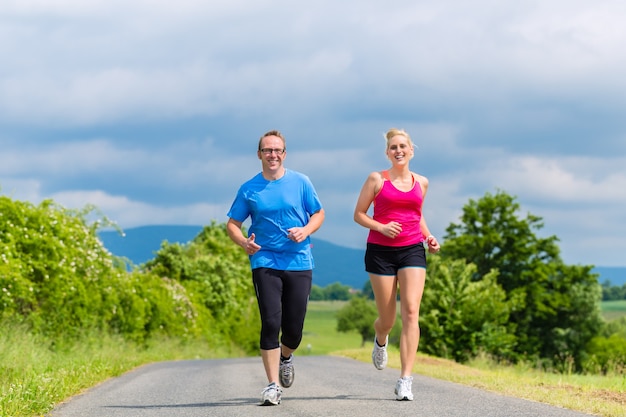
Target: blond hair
395,132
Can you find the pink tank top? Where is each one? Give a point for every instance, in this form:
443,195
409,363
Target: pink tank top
391,204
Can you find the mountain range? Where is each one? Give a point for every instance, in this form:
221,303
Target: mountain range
333,263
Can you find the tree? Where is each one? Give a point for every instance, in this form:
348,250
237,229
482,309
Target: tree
367,291
337,291
317,293
359,314
216,272
59,280
460,317
549,295
611,293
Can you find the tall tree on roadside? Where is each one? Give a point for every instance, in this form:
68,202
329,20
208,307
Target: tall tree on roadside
549,295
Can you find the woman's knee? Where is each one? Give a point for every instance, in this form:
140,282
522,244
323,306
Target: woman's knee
411,316
385,324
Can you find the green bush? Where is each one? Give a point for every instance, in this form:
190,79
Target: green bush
58,279
606,353
53,267
459,318
216,274
358,315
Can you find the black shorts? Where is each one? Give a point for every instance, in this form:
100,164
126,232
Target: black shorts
387,260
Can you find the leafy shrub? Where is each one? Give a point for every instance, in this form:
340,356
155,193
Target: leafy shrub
58,279
216,274
460,318
606,353
359,315
52,267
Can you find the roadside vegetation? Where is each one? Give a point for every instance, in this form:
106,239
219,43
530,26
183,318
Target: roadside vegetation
602,395
501,311
71,314
37,374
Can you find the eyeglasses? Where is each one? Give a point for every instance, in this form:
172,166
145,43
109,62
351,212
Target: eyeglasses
268,151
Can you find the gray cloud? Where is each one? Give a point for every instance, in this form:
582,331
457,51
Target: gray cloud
152,110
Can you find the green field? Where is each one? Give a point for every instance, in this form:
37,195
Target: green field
321,335
612,310
320,330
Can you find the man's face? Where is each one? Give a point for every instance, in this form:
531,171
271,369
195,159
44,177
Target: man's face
272,153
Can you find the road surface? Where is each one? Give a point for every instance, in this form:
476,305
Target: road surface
324,386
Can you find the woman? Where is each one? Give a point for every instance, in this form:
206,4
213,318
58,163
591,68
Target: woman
395,254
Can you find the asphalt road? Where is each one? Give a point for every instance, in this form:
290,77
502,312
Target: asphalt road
324,386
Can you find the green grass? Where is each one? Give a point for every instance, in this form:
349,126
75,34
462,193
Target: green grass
35,374
612,310
320,330
593,394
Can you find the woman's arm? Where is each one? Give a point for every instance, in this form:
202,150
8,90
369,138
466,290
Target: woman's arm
372,186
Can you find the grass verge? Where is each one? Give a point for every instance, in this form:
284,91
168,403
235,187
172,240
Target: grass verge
599,395
36,374
592,394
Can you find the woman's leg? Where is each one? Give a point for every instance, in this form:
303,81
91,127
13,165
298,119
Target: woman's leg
385,291
411,281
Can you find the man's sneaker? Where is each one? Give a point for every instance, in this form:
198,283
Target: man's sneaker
379,354
286,373
403,389
271,395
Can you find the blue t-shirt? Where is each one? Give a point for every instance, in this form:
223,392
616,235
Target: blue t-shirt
274,207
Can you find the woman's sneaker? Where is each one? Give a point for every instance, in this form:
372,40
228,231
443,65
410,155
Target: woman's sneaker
271,395
379,354
286,373
403,389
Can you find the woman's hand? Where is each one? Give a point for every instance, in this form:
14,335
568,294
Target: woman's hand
433,245
391,229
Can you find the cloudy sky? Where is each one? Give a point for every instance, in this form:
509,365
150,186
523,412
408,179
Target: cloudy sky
151,110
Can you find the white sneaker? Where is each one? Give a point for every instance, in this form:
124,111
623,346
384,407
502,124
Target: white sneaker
403,389
271,394
379,354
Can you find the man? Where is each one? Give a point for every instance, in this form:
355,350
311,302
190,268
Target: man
284,210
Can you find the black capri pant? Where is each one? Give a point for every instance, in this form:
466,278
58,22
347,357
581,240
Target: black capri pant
283,297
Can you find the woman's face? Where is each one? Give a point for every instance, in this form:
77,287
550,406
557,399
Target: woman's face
399,150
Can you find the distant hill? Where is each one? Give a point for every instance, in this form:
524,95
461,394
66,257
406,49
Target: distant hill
140,244
333,263
616,275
